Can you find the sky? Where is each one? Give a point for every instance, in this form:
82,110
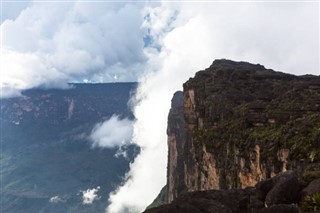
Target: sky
160,45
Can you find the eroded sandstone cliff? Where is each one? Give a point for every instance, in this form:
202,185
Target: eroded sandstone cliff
238,123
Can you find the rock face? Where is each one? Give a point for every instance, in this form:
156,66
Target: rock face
281,189
312,188
240,123
177,130
281,193
223,201
284,191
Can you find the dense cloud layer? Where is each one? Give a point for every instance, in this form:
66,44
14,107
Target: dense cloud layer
191,35
51,44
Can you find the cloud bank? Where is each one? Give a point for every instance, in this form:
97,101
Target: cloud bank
50,44
186,37
114,132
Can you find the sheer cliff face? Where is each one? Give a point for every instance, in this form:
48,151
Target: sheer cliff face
240,123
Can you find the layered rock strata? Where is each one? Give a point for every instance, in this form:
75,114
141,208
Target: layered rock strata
237,123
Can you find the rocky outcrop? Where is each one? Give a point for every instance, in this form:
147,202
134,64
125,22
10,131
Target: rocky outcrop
240,123
312,188
278,194
281,189
223,201
284,191
161,199
176,131
281,208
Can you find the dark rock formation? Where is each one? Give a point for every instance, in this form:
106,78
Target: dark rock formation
281,208
280,198
242,124
284,191
312,188
161,199
177,129
263,188
222,201
281,189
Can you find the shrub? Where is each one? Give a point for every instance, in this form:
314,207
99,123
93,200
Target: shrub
311,203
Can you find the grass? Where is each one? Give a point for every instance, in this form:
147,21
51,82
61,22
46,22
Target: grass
311,203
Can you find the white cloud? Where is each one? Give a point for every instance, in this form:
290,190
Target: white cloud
147,172
90,195
56,199
51,44
122,152
281,36
114,132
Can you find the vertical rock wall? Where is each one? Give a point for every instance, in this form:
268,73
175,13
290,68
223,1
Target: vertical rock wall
237,123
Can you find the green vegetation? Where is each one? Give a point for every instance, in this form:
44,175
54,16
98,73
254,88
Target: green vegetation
307,177
161,199
310,203
244,105
301,136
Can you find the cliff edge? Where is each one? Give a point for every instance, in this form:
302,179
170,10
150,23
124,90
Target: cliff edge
236,124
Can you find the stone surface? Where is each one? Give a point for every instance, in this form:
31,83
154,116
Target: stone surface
312,188
240,124
222,201
176,131
161,199
263,188
285,189
281,208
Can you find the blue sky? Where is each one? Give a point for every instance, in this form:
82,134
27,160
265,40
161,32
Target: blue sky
159,44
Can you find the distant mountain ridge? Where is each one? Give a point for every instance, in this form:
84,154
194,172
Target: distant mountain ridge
79,103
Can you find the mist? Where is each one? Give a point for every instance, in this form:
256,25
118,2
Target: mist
186,38
114,132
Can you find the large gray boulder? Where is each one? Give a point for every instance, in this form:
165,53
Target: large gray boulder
285,190
312,188
280,208
221,201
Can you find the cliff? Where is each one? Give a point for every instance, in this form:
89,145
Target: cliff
237,124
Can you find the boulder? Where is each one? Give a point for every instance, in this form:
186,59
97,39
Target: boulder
263,188
312,188
222,201
280,208
194,206
285,189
